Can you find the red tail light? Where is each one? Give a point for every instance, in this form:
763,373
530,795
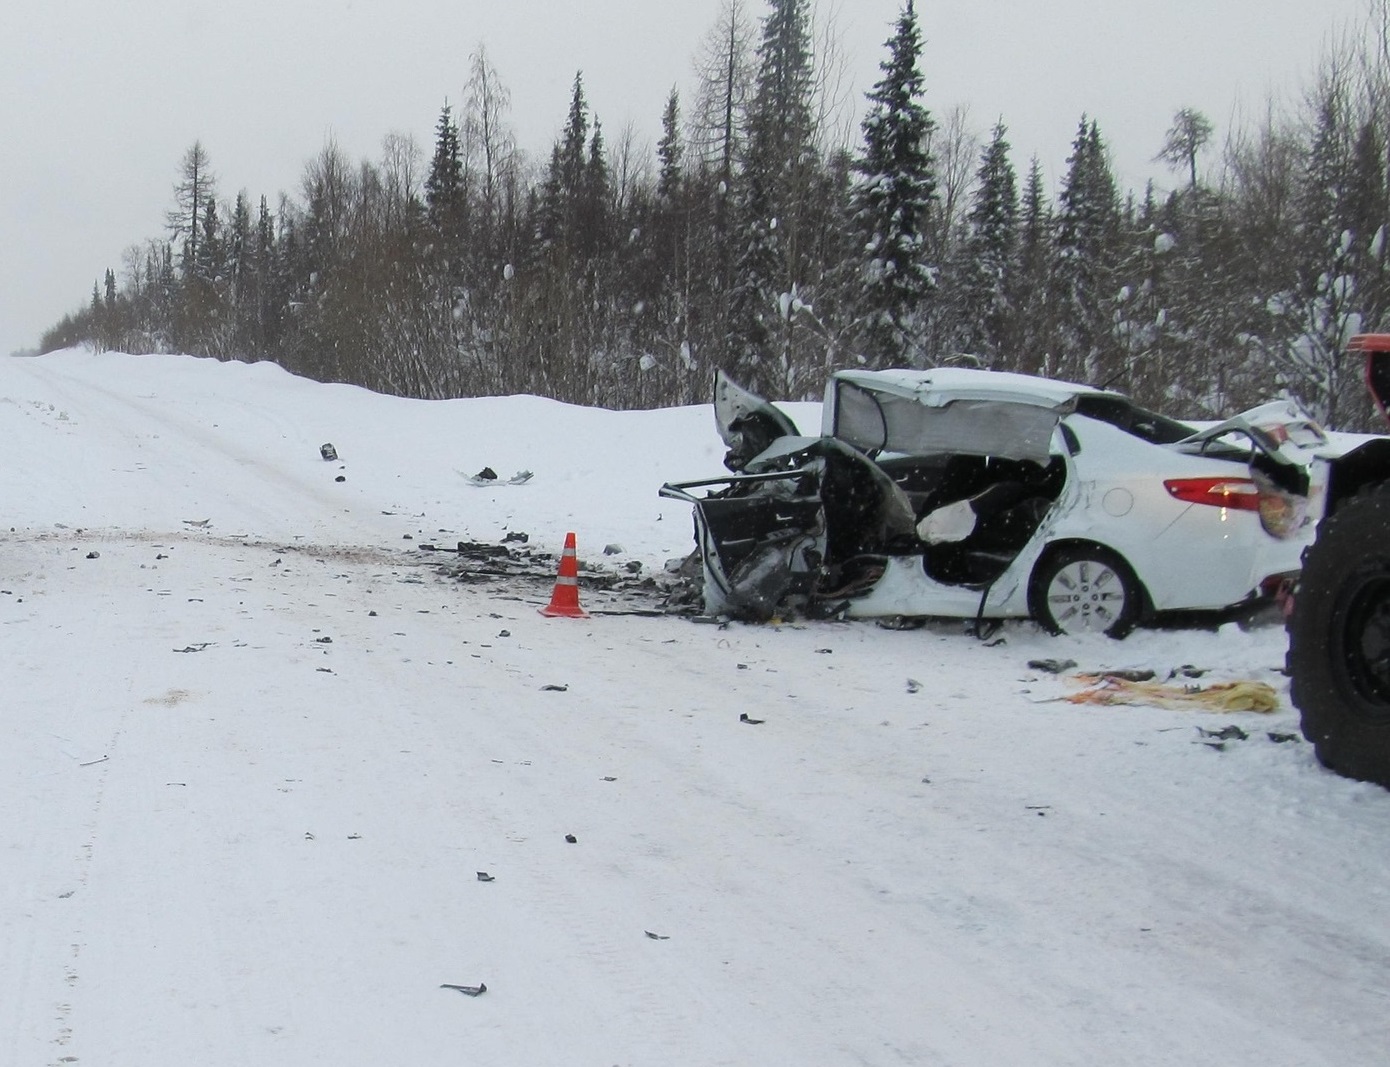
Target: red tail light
1242,494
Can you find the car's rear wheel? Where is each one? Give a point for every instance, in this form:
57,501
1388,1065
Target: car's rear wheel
1086,589
1339,641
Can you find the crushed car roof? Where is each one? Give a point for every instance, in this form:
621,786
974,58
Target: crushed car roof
942,385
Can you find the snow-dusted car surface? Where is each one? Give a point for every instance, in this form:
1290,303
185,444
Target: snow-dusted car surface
967,493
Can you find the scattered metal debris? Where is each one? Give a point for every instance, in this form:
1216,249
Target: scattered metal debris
1052,666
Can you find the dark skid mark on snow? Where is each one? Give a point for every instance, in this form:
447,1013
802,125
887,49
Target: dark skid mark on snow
516,568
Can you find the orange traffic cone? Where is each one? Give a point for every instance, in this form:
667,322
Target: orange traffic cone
564,601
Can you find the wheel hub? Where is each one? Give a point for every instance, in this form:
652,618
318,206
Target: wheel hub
1086,597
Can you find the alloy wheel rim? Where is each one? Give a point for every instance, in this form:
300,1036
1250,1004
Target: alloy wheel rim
1086,596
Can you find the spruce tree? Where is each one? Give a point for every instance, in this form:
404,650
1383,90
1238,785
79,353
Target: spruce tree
1322,310
989,259
669,151
444,191
771,273
562,193
891,203
1085,248
1035,337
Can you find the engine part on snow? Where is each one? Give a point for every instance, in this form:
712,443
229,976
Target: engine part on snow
572,839
488,476
744,717
328,452
467,990
657,937
759,584
1226,733
483,876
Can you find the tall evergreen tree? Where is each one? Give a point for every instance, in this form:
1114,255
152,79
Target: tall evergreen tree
989,259
1326,303
444,190
1035,337
669,150
563,192
1085,249
772,275
891,203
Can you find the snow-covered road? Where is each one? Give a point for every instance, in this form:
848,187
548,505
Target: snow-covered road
251,770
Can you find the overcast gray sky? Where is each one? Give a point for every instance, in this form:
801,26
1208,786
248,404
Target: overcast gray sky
102,97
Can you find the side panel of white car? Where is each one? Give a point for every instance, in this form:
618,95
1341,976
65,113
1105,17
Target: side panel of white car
1186,555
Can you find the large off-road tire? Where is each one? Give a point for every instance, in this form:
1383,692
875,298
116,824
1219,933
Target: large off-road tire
1339,640
1085,589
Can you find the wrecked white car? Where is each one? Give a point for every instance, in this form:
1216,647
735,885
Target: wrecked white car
986,495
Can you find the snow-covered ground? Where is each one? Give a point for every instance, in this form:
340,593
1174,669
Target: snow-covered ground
255,748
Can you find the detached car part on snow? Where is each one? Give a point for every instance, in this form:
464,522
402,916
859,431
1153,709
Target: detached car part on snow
977,494
1339,631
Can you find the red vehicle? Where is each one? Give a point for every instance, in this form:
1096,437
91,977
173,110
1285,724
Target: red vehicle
1339,630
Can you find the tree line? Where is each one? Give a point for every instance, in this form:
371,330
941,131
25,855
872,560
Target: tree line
761,239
